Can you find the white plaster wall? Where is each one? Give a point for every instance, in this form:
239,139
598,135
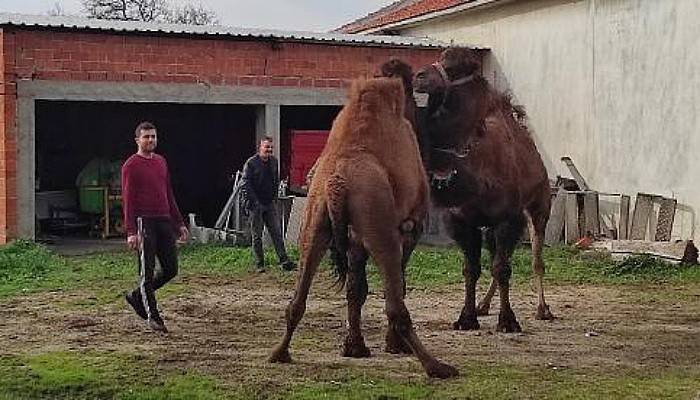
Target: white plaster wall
611,83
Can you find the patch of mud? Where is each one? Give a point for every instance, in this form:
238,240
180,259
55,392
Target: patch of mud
227,328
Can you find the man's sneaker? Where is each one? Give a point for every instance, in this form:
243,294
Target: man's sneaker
260,268
157,325
137,305
289,265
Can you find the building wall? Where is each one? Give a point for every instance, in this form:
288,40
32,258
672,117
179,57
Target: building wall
612,83
79,56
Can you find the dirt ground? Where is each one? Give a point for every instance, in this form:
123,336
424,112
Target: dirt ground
226,328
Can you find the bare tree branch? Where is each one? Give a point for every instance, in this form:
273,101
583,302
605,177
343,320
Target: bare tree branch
56,10
149,11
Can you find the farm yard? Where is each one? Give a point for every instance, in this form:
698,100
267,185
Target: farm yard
623,330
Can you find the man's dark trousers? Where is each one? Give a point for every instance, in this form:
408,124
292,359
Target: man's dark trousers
266,216
159,241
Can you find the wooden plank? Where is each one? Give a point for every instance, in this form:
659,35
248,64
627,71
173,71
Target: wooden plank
664,224
591,215
576,175
555,225
623,226
676,251
640,219
572,230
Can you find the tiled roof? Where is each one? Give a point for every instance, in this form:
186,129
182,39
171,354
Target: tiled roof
402,10
61,22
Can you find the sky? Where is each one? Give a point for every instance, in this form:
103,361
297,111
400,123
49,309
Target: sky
305,15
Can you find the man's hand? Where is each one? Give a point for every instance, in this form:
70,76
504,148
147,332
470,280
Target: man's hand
184,234
132,241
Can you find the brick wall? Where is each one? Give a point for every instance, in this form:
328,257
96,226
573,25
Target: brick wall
8,142
106,57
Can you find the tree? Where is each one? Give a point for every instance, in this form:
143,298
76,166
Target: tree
149,11
57,10
190,14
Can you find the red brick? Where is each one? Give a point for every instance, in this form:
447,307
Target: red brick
246,80
184,78
97,76
277,81
79,76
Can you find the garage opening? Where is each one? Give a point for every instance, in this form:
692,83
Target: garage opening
80,147
304,130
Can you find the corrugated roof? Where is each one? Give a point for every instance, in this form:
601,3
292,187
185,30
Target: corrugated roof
62,22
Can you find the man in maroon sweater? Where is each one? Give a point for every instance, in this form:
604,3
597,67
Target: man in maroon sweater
147,194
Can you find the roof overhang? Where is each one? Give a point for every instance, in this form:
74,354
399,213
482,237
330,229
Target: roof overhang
209,31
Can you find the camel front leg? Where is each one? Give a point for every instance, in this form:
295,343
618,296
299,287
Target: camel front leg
469,240
506,238
354,345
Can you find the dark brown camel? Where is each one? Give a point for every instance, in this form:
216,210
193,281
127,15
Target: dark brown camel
362,181
486,172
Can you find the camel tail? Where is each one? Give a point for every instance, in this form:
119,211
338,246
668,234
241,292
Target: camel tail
337,210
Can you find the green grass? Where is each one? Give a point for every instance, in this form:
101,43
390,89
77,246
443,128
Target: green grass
63,375
498,381
26,267
92,375
433,267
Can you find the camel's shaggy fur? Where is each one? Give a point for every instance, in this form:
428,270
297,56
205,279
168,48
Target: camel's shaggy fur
369,176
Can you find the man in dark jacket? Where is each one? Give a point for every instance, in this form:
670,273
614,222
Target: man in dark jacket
260,184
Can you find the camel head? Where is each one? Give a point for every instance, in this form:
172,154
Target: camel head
396,68
456,66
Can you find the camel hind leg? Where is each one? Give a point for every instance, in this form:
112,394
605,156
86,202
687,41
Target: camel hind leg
411,231
315,237
374,212
537,223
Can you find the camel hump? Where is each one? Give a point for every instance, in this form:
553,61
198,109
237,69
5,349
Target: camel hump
378,95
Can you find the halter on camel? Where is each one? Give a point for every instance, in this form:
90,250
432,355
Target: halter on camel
445,181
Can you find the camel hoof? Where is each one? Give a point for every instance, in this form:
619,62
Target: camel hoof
543,313
507,323
466,324
396,345
440,370
280,356
355,348
483,310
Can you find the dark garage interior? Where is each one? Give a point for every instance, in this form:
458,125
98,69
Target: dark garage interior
204,146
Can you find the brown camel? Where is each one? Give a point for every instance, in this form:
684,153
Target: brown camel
355,251
356,277
485,170
370,176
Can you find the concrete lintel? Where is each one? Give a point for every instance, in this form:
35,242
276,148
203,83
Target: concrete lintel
179,93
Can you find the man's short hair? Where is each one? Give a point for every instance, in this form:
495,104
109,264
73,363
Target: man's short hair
266,139
144,126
